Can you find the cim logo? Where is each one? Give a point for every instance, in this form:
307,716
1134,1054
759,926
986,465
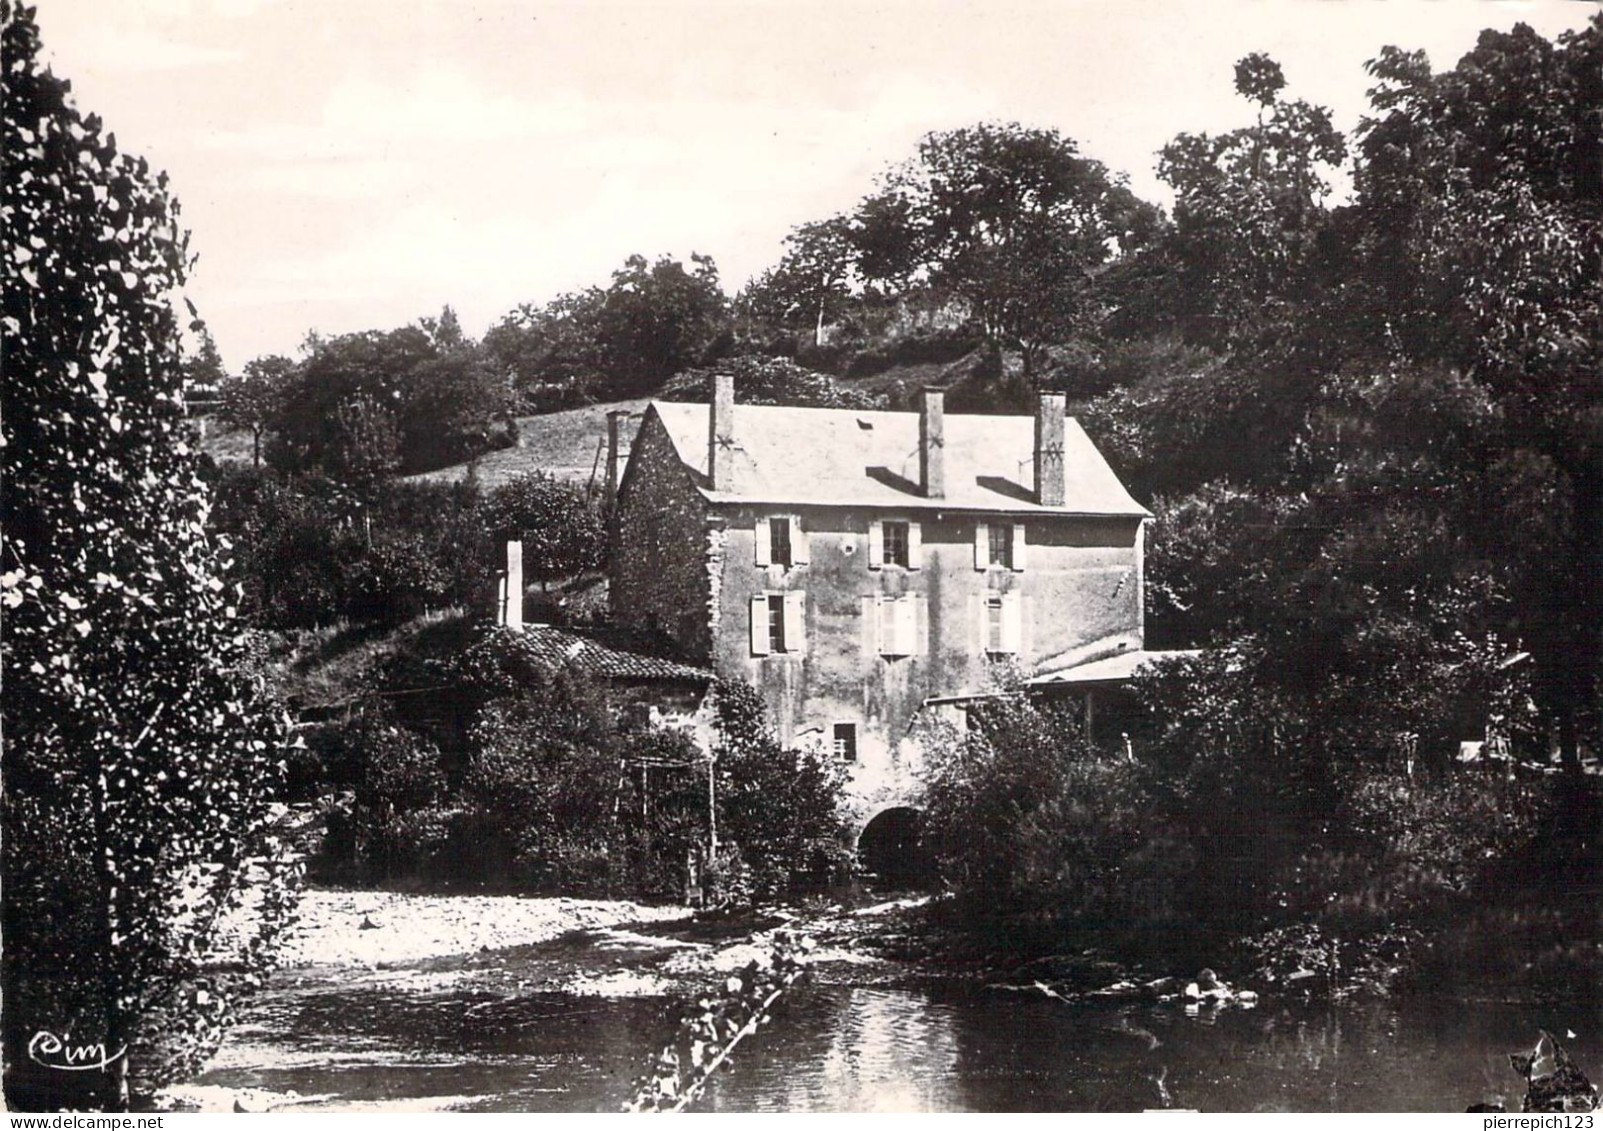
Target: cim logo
61,1054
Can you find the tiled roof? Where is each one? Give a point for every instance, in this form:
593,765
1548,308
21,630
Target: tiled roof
564,648
834,457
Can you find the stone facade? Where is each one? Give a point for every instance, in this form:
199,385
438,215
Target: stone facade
663,557
841,636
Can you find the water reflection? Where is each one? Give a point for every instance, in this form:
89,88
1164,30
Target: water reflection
842,1048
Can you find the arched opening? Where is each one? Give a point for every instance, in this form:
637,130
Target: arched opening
891,849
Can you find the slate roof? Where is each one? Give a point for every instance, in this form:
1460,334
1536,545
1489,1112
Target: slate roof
847,457
564,648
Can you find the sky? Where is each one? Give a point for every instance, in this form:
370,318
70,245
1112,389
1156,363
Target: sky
346,165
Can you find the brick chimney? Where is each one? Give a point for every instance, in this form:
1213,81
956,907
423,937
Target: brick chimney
932,443
1049,450
721,431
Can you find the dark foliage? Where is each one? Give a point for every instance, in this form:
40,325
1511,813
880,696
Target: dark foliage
142,758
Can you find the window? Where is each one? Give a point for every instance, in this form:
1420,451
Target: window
846,742
777,624
896,544
1001,545
779,541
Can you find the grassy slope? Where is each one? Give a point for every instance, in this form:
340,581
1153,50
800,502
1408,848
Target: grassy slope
322,667
561,443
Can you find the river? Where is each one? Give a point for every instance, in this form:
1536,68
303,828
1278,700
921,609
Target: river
485,1034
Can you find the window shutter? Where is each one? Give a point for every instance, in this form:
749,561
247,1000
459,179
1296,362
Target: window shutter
1011,627
798,541
906,626
915,546
876,544
759,625
1018,545
795,622
982,546
765,542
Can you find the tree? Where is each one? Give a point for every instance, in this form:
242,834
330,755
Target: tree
560,526
813,282
599,344
1248,209
254,398
364,406
1011,220
141,757
204,372
656,319
1479,244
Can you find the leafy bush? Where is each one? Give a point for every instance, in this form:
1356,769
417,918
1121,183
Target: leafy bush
308,552
398,826
1023,814
561,525
780,807
772,381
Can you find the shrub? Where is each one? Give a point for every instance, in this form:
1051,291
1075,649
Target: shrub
780,807
561,526
1023,814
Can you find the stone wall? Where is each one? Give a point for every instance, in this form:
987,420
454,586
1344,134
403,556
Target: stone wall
662,561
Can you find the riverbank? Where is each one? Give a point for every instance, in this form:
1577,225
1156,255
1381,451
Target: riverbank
396,1002
376,929
360,949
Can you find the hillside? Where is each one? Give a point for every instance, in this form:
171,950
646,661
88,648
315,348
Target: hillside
566,444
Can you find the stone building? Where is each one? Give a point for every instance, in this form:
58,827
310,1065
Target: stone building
861,567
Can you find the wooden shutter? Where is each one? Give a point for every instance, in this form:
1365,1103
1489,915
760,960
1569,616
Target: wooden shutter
915,546
759,625
906,625
1012,628
798,541
876,544
796,622
765,542
982,546
1018,545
